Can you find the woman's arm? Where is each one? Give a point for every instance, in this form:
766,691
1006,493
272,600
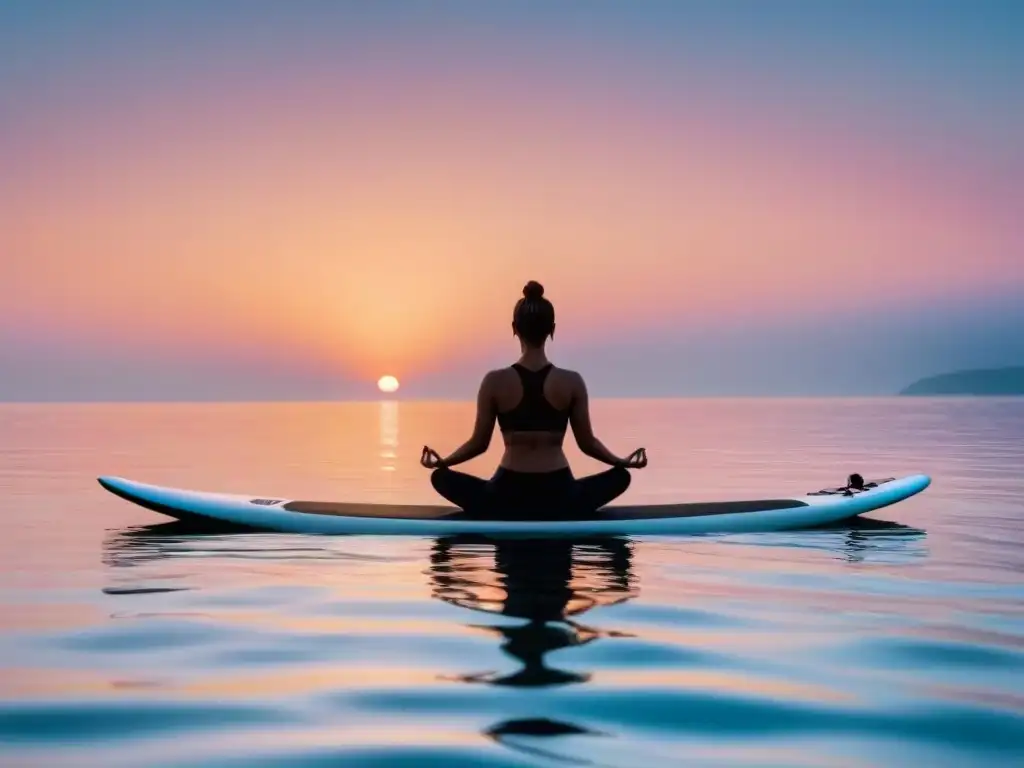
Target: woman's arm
483,429
579,417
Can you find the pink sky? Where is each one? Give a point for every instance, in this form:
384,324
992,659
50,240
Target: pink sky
379,210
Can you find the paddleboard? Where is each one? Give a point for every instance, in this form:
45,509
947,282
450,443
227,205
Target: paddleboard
818,508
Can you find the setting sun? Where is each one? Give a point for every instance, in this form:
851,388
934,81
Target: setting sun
387,384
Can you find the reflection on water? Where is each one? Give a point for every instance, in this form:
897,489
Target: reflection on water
540,595
859,540
388,421
539,580
865,535
545,583
520,734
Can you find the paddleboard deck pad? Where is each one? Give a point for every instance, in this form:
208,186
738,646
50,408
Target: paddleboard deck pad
810,510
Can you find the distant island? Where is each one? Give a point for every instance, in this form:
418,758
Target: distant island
986,382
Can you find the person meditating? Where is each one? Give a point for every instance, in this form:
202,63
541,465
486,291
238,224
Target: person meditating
533,403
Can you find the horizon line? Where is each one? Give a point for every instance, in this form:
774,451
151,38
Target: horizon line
428,400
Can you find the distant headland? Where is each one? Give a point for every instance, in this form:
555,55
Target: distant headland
985,381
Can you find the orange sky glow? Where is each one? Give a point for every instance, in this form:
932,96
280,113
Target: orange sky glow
382,218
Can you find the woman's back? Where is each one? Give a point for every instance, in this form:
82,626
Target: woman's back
533,407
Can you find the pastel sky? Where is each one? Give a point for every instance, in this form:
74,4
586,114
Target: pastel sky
288,199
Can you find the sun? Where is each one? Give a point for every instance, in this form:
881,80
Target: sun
387,384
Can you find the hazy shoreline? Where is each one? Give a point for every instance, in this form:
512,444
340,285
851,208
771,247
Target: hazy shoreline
976,382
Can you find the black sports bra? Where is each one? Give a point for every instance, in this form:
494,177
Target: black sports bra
533,413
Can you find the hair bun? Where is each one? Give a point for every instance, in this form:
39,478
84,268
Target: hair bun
533,291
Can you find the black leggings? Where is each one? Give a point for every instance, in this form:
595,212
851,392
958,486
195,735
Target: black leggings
531,495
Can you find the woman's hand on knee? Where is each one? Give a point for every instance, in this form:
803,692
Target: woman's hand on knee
636,460
431,459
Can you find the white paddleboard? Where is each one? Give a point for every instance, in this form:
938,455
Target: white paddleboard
318,517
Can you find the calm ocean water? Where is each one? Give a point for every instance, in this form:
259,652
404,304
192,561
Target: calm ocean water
126,643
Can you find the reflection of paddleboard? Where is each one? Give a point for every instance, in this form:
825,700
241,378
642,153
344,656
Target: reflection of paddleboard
810,510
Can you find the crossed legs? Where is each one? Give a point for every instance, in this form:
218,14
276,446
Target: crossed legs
585,495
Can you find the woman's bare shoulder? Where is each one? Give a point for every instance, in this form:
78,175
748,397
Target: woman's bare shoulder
496,377
569,376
